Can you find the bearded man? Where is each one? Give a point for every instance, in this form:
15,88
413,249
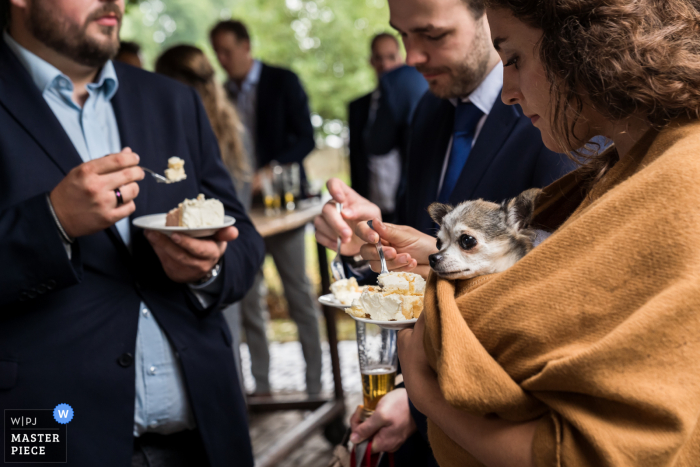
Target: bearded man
123,325
465,144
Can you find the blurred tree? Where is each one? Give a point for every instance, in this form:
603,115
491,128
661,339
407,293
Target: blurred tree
325,42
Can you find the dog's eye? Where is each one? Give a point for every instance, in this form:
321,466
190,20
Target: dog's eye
467,242
439,244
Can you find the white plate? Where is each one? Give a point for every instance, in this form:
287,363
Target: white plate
157,222
395,325
330,300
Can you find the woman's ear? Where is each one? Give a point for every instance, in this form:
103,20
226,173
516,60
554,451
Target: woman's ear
438,211
519,209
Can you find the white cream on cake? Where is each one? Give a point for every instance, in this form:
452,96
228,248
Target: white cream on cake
176,170
196,213
399,298
346,290
378,306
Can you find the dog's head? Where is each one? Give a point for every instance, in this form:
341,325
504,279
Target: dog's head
479,237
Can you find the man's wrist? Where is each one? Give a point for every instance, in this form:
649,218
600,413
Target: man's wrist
61,231
209,278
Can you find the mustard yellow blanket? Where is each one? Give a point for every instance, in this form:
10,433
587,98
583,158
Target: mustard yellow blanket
596,332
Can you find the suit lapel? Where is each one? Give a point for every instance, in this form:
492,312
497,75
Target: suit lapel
436,139
20,96
497,127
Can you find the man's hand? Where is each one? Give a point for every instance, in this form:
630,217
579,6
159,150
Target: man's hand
85,202
186,259
405,248
330,225
391,423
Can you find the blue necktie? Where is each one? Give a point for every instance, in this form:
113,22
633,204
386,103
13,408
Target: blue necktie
467,116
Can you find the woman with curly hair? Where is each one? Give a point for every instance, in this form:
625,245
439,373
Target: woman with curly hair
586,351
189,65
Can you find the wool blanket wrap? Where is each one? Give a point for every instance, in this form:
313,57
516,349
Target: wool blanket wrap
596,332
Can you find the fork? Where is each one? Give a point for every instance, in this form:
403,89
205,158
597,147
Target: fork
380,250
337,263
159,178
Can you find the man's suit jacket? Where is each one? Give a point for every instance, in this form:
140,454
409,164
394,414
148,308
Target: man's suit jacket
358,113
507,159
68,327
283,123
401,91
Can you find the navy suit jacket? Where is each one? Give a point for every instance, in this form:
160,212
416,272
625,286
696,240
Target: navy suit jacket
401,90
68,327
507,159
283,123
358,114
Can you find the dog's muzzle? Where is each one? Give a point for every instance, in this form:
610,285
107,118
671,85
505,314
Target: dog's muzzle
434,259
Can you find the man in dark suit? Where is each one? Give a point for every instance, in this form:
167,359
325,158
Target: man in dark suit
274,110
365,168
465,144
121,324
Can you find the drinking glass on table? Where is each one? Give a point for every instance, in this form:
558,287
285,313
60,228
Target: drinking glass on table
271,196
376,349
291,181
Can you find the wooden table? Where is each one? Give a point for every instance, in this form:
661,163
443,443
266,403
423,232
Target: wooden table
328,412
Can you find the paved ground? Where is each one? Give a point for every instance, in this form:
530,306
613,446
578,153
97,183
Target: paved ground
287,377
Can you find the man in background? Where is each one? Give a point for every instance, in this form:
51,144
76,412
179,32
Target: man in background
379,124
122,324
274,110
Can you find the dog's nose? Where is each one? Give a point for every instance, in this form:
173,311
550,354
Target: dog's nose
434,259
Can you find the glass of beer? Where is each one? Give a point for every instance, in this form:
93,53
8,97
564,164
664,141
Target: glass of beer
378,360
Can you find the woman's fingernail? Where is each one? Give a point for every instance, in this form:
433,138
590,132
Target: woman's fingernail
347,233
354,438
348,212
403,260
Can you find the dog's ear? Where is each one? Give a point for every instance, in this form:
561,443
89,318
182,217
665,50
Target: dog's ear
519,209
438,211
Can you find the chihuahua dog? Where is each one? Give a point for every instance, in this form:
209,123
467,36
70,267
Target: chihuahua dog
480,237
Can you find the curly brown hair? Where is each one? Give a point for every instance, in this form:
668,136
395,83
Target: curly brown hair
624,57
189,65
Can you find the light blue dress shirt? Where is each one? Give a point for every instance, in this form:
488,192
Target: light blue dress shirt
246,100
161,404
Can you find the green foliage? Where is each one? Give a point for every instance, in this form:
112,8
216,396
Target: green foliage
325,42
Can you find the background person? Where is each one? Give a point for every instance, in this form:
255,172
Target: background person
122,324
580,353
129,53
465,144
273,107
377,176
189,65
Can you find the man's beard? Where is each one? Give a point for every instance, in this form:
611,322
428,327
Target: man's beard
465,76
70,39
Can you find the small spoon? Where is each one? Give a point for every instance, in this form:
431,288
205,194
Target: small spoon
380,250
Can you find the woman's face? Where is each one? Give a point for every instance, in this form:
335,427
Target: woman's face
524,78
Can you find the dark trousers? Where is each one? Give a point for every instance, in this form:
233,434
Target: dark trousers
183,449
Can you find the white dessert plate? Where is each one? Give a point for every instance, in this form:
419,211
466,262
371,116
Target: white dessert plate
330,300
157,222
395,325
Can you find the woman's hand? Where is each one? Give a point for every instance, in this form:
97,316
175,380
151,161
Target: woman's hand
405,248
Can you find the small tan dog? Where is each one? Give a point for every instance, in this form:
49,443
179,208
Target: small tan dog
480,237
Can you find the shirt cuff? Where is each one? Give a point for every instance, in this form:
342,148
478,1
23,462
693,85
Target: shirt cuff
208,291
65,238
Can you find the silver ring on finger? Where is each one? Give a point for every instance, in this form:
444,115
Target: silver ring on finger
120,198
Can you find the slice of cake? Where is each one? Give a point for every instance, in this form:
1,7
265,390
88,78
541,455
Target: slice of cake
346,290
403,283
176,170
195,213
377,306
